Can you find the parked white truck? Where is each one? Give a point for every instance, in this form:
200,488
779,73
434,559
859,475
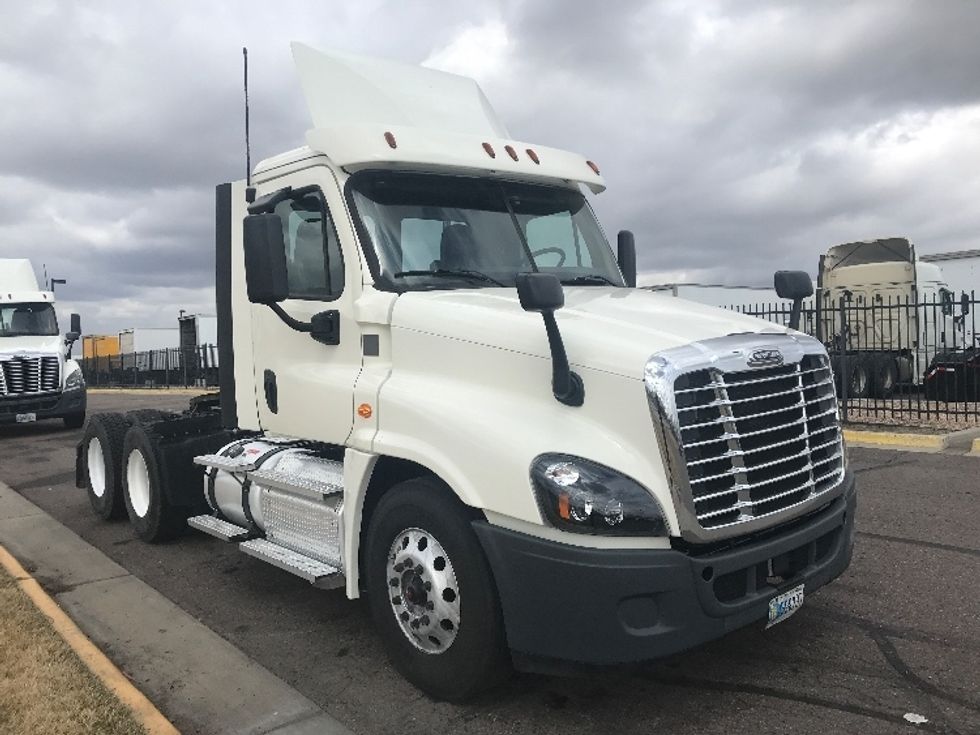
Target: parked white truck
899,314
38,378
441,391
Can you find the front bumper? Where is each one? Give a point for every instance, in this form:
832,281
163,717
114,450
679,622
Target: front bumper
47,406
612,606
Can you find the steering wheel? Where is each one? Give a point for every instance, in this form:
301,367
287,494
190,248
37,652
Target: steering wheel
546,251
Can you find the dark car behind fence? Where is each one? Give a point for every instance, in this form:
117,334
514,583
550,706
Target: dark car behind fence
171,367
896,360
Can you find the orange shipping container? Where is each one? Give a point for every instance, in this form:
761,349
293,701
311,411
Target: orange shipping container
100,345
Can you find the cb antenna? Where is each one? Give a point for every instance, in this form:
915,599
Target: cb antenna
248,150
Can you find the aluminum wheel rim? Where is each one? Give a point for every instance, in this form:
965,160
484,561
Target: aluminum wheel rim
423,591
96,467
138,482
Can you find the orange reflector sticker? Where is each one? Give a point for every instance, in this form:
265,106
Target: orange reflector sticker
365,410
563,509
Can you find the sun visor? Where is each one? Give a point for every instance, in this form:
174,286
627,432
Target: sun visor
344,89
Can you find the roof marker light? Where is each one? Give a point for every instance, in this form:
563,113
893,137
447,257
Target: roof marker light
594,168
489,149
533,156
510,151
391,140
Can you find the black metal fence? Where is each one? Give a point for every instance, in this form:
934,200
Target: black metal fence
171,367
896,360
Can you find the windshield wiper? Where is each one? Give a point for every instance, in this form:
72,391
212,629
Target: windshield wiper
588,278
448,273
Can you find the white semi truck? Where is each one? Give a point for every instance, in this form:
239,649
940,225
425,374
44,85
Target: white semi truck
899,314
38,378
439,389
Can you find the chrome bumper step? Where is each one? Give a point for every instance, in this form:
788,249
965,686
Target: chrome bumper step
218,528
317,573
298,484
228,464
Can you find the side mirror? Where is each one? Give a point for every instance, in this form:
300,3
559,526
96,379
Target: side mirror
76,329
795,285
265,259
627,257
542,293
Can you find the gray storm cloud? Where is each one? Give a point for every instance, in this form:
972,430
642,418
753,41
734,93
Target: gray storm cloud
735,138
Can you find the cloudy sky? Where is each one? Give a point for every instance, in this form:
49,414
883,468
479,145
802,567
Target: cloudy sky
736,138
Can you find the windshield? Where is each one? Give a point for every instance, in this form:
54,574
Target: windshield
18,320
432,231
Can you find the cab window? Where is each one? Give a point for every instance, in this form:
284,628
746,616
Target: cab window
555,241
314,266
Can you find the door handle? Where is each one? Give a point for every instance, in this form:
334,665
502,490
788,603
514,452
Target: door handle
271,391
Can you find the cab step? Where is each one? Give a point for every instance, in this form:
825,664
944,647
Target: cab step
316,572
315,488
228,464
218,528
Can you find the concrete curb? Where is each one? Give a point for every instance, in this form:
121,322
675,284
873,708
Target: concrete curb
153,391
95,661
958,442
895,440
200,681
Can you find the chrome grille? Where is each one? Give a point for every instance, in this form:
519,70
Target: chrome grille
756,442
25,375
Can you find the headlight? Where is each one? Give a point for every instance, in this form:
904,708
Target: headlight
577,495
75,380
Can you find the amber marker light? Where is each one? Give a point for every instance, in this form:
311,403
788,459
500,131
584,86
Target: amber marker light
365,410
563,506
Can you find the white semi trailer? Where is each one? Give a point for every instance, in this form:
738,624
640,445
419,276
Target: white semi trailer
38,378
440,390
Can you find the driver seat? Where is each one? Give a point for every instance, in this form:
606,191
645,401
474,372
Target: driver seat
457,249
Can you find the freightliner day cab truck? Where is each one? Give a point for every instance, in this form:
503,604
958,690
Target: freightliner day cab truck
38,378
901,315
441,391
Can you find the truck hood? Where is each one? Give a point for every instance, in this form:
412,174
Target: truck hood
54,345
615,330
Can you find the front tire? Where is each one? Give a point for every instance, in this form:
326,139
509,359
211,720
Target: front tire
102,454
153,517
432,594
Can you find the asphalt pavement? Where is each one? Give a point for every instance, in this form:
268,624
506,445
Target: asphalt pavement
898,634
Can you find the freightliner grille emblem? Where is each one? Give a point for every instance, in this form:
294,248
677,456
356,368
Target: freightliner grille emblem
765,358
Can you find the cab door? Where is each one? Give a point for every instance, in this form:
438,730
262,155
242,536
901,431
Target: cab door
304,387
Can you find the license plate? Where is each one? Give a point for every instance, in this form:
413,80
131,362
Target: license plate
26,418
784,605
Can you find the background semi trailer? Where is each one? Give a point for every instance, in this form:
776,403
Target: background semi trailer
38,378
440,389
